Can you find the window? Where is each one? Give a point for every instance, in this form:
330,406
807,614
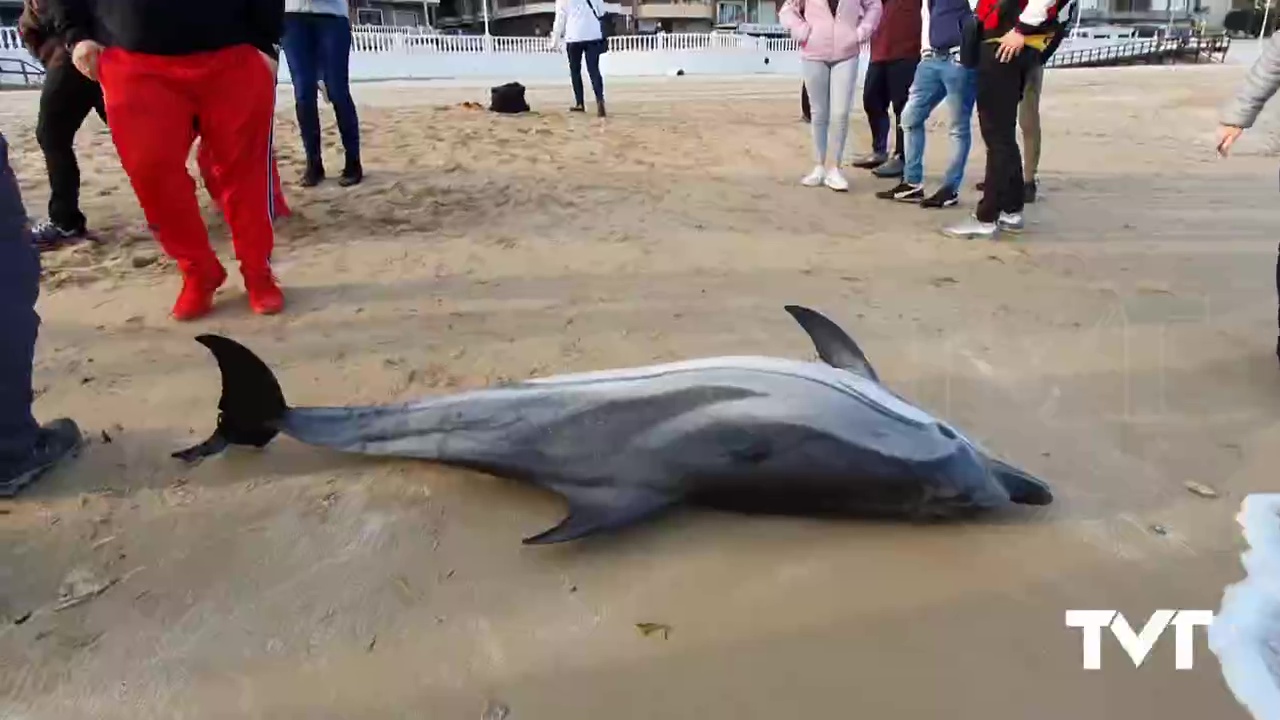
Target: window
731,13
369,16
406,18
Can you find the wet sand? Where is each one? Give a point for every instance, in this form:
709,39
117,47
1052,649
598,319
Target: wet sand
1122,348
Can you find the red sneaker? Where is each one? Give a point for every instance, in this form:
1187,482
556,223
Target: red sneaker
265,295
196,298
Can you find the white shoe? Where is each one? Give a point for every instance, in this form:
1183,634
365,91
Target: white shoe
836,181
815,178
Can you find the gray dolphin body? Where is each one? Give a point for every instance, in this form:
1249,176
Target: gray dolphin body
748,434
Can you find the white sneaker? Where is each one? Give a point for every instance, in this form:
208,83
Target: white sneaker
815,178
1011,222
836,181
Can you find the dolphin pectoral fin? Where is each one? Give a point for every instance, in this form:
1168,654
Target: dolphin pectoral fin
600,508
834,345
1023,488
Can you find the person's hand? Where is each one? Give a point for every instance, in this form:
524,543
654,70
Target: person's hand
85,57
1010,45
553,44
1227,136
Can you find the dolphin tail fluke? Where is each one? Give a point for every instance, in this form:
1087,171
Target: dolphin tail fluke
251,405
1022,487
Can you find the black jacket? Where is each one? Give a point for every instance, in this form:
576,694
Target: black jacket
171,27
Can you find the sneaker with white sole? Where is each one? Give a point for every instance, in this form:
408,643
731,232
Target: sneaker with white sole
903,192
1011,222
943,198
836,181
972,229
815,178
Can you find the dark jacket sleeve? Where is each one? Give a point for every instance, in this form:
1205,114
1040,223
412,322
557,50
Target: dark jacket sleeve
1059,36
72,20
266,21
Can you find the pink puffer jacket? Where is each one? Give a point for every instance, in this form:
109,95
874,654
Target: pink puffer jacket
824,37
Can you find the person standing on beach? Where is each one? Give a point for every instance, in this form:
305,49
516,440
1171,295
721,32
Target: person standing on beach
1013,36
1029,108
577,27
27,449
830,34
317,45
1241,112
940,76
66,98
169,66
895,52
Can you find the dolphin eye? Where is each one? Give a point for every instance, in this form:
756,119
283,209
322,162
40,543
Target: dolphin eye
947,432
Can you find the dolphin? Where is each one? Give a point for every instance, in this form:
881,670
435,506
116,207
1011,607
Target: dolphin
758,435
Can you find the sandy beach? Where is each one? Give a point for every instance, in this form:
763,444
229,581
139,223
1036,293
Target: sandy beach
1123,348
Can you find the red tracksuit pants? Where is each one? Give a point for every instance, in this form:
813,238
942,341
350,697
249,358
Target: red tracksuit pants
153,105
211,174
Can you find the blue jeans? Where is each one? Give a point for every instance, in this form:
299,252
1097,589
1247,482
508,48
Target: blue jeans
938,79
318,47
19,288
591,50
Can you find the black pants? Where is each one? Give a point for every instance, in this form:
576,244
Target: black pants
591,49
887,84
999,92
65,101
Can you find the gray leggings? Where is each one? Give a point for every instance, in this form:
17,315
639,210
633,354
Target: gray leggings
830,87
1029,119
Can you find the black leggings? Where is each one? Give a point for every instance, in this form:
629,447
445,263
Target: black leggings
591,49
887,84
66,100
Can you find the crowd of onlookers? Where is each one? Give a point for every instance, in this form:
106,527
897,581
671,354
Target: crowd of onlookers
983,53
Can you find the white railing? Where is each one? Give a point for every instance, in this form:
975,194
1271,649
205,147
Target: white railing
392,54
379,42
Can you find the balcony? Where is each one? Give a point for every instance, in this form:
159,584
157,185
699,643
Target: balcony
676,10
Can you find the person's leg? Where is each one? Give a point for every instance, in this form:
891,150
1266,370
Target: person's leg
65,101
875,103
575,50
999,89
897,84
238,136
26,449
961,85
901,75
19,289
152,115
334,40
844,79
1029,119
302,52
817,79
927,90
592,52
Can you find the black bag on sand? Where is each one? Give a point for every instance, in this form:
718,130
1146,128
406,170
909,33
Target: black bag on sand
508,99
970,41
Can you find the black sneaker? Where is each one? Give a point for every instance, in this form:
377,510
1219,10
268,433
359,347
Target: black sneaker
903,192
313,176
1029,192
352,174
945,197
55,442
577,108
48,235
891,168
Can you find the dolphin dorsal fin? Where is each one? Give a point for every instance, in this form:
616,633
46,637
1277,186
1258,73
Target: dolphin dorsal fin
834,345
